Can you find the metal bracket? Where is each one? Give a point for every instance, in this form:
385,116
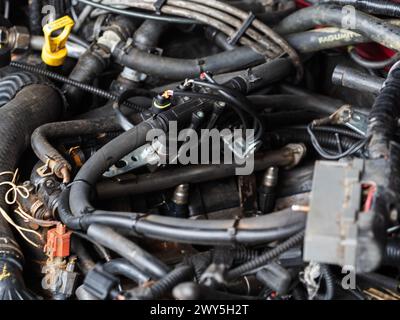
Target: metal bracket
346,115
145,155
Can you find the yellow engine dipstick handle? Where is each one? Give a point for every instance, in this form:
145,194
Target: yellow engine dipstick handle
54,51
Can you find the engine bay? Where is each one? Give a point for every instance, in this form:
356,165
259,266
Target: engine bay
199,150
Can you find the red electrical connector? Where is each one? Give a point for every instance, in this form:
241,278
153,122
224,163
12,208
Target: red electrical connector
58,242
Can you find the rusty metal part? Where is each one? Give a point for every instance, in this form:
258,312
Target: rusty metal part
181,194
248,194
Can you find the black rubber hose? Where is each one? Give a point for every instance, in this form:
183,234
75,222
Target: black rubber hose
274,226
164,179
89,66
85,261
384,114
178,69
369,26
323,39
267,256
148,35
218,38
329,281
243,80
262,229
326,100
279,102
122,267
167,283
31,107
48,154
381,7
129,250
94,60
11,84
259,76
35,17
305,42
195,291
102,160
381,281
64,213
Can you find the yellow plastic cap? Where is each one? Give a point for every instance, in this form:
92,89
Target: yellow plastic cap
54,51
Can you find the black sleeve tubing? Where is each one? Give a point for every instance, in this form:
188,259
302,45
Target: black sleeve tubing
369,26
382,122
329,281
127,249
167,283
267,256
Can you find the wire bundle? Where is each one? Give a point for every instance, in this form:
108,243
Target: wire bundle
359,145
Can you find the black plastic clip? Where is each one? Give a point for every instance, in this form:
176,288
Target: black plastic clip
158,4
245,25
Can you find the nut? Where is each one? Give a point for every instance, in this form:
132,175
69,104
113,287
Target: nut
19,38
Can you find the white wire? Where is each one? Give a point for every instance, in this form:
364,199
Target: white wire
10,198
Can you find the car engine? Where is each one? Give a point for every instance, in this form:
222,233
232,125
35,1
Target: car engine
199,150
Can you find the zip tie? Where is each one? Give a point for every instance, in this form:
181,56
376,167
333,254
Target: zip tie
232,231
158,4
239,33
